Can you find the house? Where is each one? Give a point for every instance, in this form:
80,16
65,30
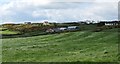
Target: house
27,23
46,23
113,23
110,23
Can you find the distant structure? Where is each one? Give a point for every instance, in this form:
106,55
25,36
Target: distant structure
50,30
115,23
27,23
61,29
82,22
73,28
110,23
46,23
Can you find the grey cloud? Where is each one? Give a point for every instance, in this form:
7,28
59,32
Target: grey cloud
61,11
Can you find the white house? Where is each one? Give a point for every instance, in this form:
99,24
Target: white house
46,23
111,23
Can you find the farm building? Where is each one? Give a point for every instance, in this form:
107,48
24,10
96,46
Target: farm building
73,28
110,23
54,30
50,30
69,28
63,28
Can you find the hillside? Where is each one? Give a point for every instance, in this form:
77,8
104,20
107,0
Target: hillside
81,46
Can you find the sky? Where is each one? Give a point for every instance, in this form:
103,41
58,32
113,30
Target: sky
20,11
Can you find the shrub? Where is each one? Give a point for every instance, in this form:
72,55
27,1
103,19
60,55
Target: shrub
98,29
3,29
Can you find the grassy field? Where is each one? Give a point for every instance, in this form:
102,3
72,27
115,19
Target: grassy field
8,32
83,46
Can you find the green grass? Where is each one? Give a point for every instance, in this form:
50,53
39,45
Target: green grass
2,29
8,32
80,46
87,27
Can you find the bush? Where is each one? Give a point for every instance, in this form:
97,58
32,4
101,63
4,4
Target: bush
3,29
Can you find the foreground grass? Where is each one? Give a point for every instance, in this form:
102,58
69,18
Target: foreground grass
65,47
8,32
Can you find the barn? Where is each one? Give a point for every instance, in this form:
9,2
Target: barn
73,28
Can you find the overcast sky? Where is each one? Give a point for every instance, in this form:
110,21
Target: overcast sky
19,11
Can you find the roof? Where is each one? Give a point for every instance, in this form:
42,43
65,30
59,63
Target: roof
72,26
